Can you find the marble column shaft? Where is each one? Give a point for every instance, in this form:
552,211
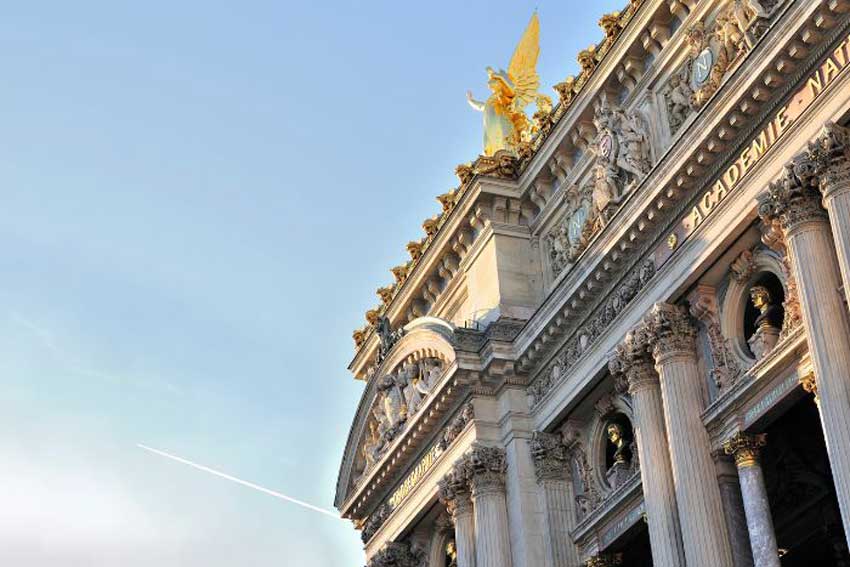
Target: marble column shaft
464,520
745,448
733,507
659,495
704,533
796,207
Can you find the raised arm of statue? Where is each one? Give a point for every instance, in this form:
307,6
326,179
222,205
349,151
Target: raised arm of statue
475,104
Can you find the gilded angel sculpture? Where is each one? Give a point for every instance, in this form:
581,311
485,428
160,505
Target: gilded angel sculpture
505,121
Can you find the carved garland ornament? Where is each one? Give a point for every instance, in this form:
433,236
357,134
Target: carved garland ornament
584,338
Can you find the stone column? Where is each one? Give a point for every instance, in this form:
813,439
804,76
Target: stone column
746,449
794,205
673,340
455,494
659,495
487,466
733,507
830,154
557,495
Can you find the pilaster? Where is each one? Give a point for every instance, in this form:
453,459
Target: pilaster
557,495
672,337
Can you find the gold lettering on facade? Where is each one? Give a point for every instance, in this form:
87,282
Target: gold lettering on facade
415,476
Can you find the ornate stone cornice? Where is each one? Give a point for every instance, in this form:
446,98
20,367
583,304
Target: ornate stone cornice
793,200
745,448
670,331
487,467
551,459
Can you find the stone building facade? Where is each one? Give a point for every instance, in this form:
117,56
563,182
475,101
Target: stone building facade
628,341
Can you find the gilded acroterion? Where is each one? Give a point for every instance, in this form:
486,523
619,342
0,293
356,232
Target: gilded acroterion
506,125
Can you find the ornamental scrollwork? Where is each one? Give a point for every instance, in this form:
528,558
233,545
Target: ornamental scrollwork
622,156
571,236
715,49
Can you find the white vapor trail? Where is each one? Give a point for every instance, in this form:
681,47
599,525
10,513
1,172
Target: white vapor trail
238,481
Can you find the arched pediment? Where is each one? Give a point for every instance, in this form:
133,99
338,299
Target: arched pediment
399,387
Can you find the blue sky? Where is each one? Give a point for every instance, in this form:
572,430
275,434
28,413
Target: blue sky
199,201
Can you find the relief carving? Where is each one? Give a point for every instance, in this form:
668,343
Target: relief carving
400,395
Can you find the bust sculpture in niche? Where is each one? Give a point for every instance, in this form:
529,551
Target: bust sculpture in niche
768,324
620,471
451,553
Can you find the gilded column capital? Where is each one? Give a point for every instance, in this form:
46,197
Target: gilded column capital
486,469
605,560
551,459
670,331
745,448
631,359
810,385
793,200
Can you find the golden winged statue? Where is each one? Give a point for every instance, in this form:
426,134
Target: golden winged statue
505,122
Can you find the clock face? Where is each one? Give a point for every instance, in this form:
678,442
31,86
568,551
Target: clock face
605,145
576,225
701,68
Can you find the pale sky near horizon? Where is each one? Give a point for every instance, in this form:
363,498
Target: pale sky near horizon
199,201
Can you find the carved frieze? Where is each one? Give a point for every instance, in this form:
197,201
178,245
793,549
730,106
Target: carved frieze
591,330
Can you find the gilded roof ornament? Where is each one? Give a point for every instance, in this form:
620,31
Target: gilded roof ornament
400,273
610,24
587,59
448,200
414,248
430,226
386,294
505,121
372,316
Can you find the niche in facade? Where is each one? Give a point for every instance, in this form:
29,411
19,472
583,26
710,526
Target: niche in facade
619,450
764,314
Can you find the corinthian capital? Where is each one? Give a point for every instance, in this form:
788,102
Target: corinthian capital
398,554
830,153
551,460
794,199
487,467
745,448
670,330
455,489
631,359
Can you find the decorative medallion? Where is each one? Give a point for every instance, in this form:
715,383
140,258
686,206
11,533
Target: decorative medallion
701,68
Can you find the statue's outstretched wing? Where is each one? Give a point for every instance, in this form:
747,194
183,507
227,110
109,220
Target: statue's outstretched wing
523,67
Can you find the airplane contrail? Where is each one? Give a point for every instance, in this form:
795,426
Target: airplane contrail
238,481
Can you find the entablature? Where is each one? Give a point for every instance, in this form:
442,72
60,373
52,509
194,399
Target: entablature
705,146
